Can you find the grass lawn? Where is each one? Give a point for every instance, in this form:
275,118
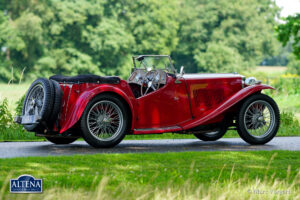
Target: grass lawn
128,176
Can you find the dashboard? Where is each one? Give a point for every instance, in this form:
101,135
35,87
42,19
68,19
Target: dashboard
140,79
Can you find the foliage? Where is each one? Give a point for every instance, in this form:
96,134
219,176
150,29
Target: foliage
290,30
228,59
240,27
280,58
72,37
294,65
284,85
10,131
19,104
288,119
69,37
5,116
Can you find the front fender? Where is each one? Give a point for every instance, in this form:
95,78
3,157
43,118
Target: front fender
237,97
81,102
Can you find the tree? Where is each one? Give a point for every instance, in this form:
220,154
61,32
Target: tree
219,58
84,36
99,36
246,27
290,30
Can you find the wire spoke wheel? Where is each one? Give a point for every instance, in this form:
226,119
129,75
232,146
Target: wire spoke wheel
35,100
105,120
259,119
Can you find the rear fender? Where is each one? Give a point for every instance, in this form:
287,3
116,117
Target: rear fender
81,102
233,100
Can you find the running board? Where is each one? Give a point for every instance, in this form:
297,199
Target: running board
157,130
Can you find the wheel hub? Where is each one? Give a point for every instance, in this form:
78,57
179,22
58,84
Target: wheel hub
257,118
103,119
261,118
32,103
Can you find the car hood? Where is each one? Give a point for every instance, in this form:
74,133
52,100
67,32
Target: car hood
211,76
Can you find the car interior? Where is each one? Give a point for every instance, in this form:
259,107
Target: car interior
142,82
150,73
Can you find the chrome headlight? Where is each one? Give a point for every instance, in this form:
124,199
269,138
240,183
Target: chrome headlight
251,81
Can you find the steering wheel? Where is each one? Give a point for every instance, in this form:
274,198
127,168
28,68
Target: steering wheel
152,79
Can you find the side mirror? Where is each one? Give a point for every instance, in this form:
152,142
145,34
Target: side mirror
181,71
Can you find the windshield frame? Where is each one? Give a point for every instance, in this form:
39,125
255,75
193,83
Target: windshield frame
134,58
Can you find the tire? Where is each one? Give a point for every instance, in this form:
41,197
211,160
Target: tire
56,140
45,87
56,104
212,136
250,119
93,123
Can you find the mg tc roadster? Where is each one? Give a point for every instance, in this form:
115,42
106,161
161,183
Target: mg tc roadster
154,100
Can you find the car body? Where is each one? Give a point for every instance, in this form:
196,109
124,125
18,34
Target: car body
155,99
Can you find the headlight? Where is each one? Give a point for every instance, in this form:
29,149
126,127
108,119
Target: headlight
251,81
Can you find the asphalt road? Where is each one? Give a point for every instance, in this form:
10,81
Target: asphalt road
26,149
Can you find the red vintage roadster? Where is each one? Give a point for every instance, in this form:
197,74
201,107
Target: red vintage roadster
155,99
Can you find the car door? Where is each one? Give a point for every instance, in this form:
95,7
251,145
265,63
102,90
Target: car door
165,107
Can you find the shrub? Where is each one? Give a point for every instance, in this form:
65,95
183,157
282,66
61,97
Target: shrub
9,130
288,119
6,117
289,125
19,104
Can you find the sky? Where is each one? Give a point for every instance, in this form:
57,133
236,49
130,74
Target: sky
289,7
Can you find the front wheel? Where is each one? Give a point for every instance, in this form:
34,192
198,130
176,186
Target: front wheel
104,121
258,119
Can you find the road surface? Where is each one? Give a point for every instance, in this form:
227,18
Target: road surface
26,149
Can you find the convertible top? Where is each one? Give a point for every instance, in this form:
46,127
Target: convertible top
86,78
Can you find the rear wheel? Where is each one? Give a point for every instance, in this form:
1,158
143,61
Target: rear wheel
258,119
104,121
56,140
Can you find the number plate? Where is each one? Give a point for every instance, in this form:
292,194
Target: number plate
30,119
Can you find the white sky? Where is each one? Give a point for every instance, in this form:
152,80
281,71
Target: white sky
289,7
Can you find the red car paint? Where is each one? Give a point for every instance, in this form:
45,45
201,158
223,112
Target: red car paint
183,103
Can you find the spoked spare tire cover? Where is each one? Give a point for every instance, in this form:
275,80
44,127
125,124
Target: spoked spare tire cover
38,101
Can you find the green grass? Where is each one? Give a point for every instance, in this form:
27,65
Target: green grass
155,171
19,136
13,93
290,103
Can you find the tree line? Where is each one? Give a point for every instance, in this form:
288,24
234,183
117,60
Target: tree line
45,37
